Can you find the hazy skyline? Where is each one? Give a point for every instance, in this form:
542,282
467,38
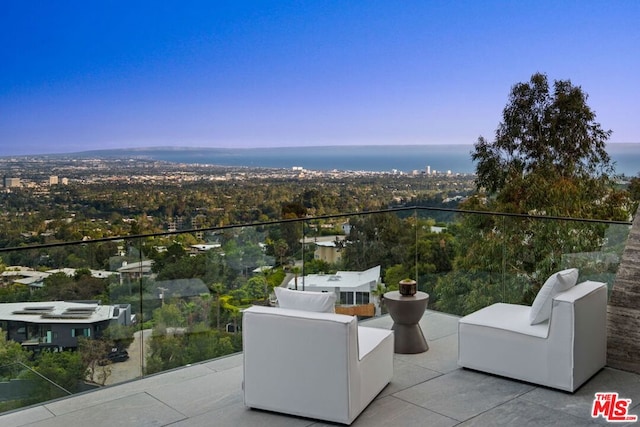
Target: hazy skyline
79,76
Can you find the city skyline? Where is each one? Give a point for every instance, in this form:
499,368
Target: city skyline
80,76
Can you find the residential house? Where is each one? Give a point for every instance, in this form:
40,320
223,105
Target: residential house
59,324
354,288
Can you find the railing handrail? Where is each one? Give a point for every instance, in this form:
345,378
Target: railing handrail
302,219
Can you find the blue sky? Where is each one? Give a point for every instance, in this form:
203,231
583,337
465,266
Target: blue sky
81,75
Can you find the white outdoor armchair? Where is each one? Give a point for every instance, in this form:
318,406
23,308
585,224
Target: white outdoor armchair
315,365
562,352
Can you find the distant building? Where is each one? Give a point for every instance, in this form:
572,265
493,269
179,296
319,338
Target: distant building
352,287
196,249
53,180
326,248
135,270
59,324
11,182
24,276
35,279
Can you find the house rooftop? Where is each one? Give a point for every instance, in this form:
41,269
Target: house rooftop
427,389
342,279
55,312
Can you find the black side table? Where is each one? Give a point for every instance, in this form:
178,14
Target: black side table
406,312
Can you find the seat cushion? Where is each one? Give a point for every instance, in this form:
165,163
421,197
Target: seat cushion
556,283
507,317
324,302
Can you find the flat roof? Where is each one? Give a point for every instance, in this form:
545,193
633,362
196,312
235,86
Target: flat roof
48,312
342,279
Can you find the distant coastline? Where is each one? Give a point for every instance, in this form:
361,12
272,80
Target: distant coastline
376,158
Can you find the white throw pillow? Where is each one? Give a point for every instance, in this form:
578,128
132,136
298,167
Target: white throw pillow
323,302
556,283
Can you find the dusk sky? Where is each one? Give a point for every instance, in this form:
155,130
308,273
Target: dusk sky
83,75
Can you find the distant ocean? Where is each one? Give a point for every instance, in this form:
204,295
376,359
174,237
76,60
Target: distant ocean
405,158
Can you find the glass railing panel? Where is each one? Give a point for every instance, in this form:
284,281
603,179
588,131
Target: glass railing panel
192,298
436,250
537,247
174,299
54,305
503,258
23,385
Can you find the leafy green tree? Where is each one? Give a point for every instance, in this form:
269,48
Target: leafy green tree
548,158
169,315
11,351
165,352
380,239
394,274
174,253
256,287
543,132
61,287
14,292
316,266
93,353
119,336
64,368
634,188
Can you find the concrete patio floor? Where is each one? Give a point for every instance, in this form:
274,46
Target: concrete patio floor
427,389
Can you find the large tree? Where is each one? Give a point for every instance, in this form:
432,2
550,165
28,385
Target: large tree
548,158
547,132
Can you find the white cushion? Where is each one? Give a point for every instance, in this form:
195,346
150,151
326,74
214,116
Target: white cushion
323,302
556,283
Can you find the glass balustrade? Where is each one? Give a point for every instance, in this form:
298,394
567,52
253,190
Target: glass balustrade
77,315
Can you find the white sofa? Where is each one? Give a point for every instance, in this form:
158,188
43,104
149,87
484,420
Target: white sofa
315,365
562,352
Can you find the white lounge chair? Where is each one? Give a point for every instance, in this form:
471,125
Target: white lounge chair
562,352
315,365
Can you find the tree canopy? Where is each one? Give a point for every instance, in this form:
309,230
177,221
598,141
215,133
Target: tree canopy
544,130
547,159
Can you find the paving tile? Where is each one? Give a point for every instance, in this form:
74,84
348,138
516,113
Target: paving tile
437,325
226,362
384,322
203,394
172,378
580,403
27,416
406,375
138,410
239,415
442,355
390,411
523,413
463,394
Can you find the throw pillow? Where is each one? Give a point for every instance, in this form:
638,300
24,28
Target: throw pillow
323,302
556,283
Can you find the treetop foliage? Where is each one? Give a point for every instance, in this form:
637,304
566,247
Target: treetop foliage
543,130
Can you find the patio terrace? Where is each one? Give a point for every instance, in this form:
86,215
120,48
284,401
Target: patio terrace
427,389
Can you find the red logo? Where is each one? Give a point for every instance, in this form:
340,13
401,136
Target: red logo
612,408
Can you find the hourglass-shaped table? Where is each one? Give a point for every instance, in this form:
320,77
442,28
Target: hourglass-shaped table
406,312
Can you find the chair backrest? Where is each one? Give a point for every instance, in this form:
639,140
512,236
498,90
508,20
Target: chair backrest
299,358
579,318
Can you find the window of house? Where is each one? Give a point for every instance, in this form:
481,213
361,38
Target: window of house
362,297
346,298
81,332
